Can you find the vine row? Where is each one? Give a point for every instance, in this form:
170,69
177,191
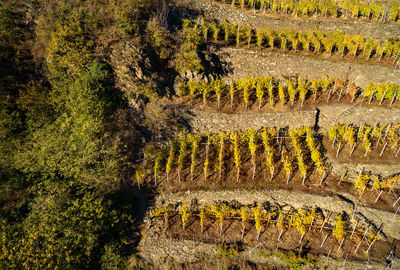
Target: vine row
271,90
370,137
303,154
305,220
314,41
382,12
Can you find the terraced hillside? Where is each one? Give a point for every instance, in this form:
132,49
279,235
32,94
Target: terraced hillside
290,155
199,134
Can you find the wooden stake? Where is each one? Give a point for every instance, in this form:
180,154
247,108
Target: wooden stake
333,143
354,229
370,99
383,149
377,198
359,130
359,244
379,139
352,150
338,149
395,214
373,241
394,97
329,93
287,182
301,238
387,131
395,59
329,254
323,241
362,192
340,93
398,199
383,97
366,151
322,179
325,220
366,266
343,176
341,243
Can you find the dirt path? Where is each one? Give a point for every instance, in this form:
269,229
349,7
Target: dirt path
211,10
202,121
356,114
289,199
244,63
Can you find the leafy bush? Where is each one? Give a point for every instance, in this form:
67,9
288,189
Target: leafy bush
187,57
228,250
66,227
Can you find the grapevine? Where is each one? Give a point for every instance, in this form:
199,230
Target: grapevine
236,152
322,42
264,87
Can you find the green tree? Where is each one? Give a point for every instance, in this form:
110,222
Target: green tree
64,229
75,143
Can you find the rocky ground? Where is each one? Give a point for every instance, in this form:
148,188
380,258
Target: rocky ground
243,63
202,121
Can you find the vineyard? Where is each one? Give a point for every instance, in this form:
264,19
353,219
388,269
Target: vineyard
291,150
275,157
200,134
313,42
348,9
282,228
269,92
382,137
300,168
